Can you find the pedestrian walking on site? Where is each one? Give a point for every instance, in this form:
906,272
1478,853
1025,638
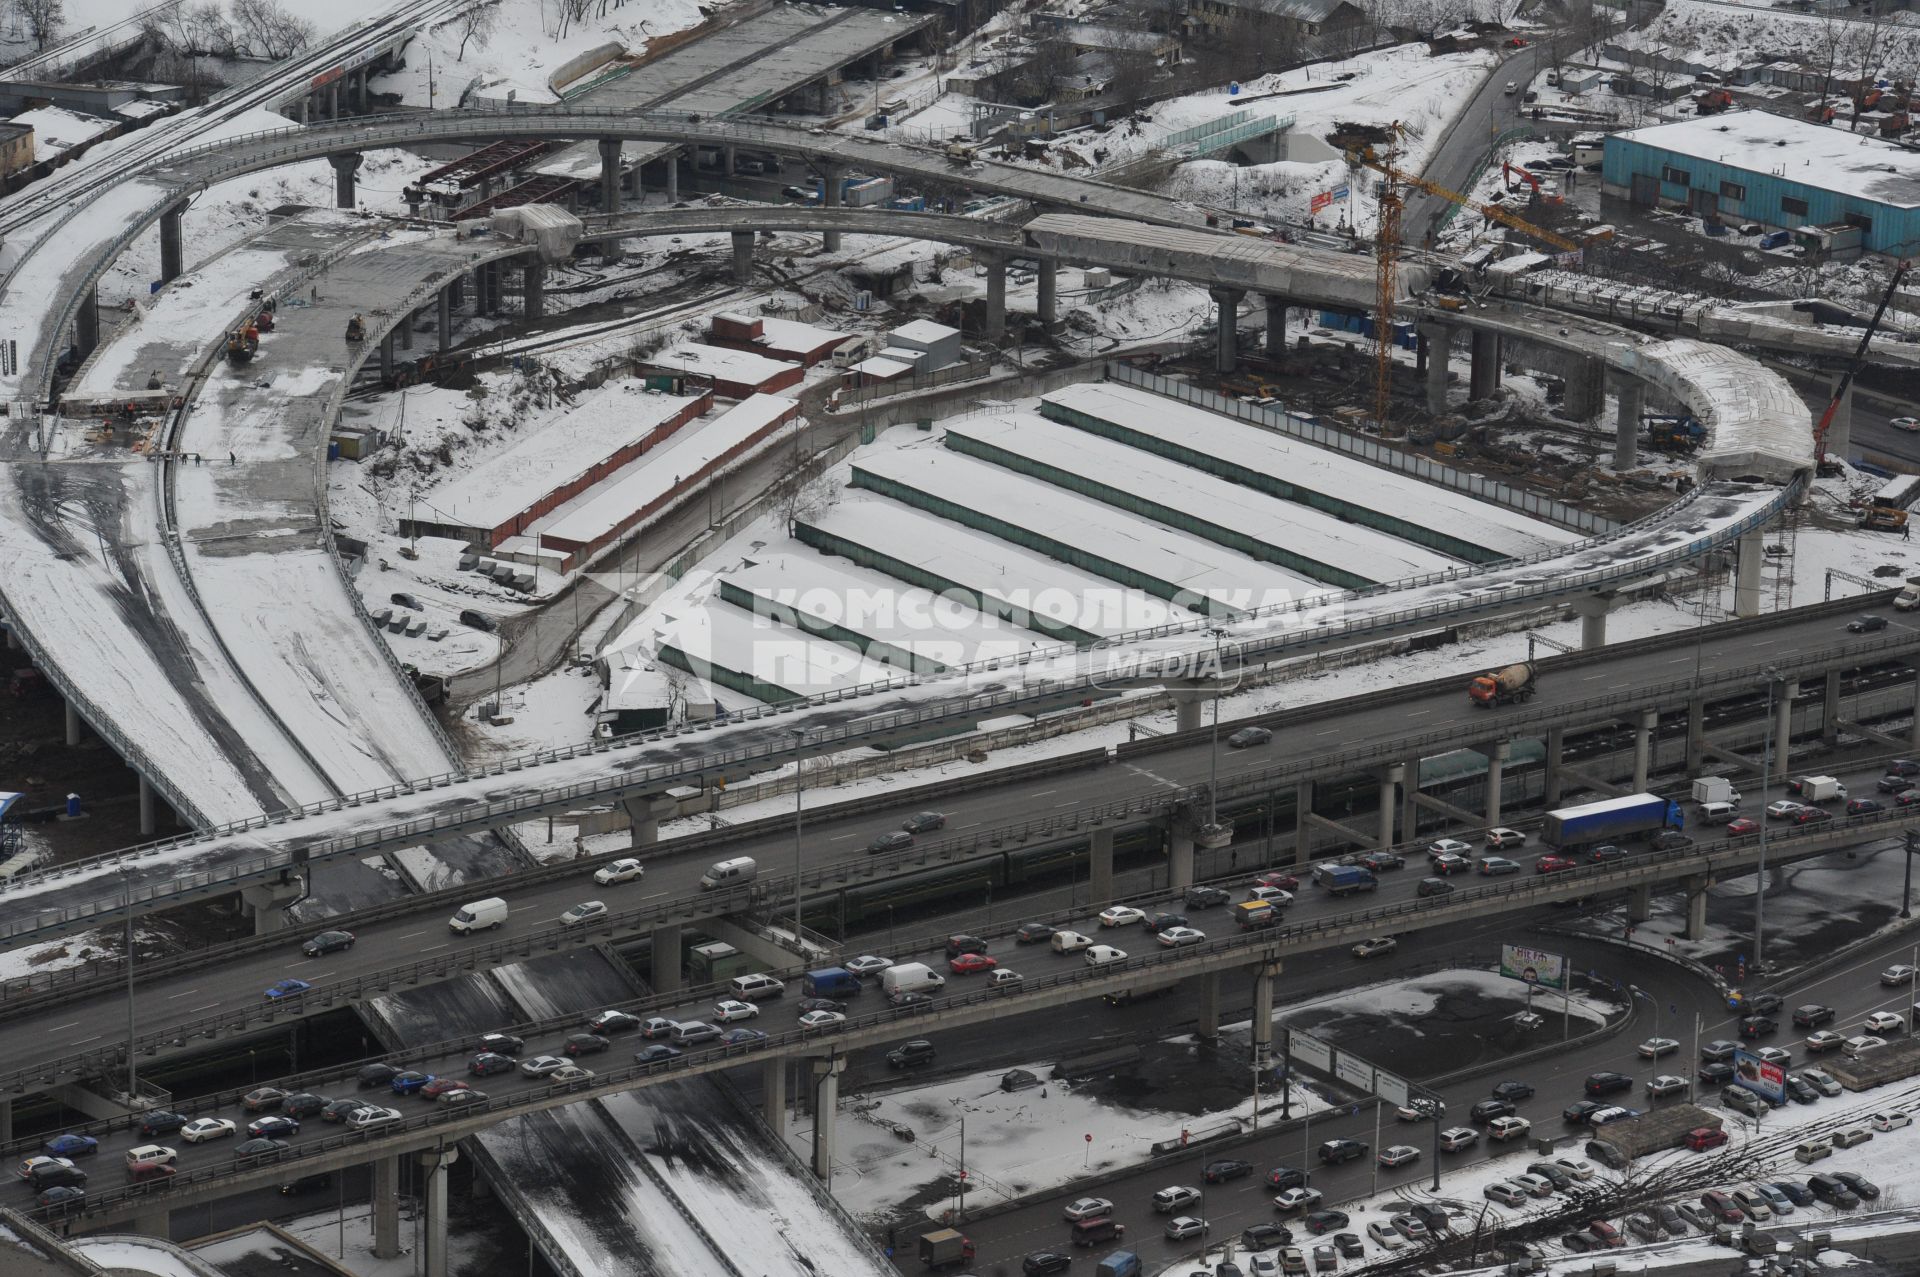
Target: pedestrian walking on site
232,460
1906,532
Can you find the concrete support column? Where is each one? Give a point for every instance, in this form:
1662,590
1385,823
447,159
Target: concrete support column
773,1095
146,805
73,725
673,178
830,198
1696,888
1914,737
1840,431
1586,395
1484,379
170,243
333,100
6,1120
1100,869
303,108
1179,856
728,158
1631,397
444,303
1302,826
1209,1005
1048,306
1227,307
1749,553
1439,358
1592,612
609,175
533,289
826,1104
406,329
1409,792
268,901
1639,903
1497,754
344,167
360,97
996,298
386,1207
1276,326
1830,707
742,257
1390,778
1696,735
1782,726
1186,709
1556,747
434,1168
86,323
665,966
386,358
1643,749
1263,981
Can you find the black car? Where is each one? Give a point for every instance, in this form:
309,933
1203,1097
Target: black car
372,1075
1334,1152
1607,1083
805,1005
957,945
1326,1221
1866,624
1799,1091
307,1184
1812,1016
1764,1003
614,1022
1164,922
1033,933
63,1198
1486,1110
924,822
1794,1191
1514,1091
1758,1026
1863,1188
585,1044
327,942
261,1150
1834,1191
1207,897
892,840
161,1122
1265,1237
655,1052
304,1104
1434,1217
1043,1262
1350,1245
503,1044
1433,887
1670,840
1580,1243
1285,1177
273,1124
908,1054
1225,1169
1605,852
1716,1072
487,1063
341,1110
1247,737
53,1174
1577,1113
1380,860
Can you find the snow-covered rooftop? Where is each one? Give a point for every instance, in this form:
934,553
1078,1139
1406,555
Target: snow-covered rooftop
1796,150
923,330
698,359
56,129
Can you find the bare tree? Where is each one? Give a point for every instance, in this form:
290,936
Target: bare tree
43,18
478,22
269,30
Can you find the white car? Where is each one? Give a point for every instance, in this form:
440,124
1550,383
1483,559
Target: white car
164,1156
569,1073
1122,916
619,871
1263,1266
1274,896
730,1010
1088,1208
583,913
1885,1022
1654,1048
1297,1199
1384,1236
1536,1185
1375,947
1506,1194
1184,1226
372,1115
1891,1120
1069,941
1102,955
821,1021
1860,1045
1448,847
1784,809
1399,1155
1909,424
541,1065
1001,978
1174,937
866,964
1579,1168
1508,1128
1455,1138
202,1129
1168,1200
1504,838
1821,1081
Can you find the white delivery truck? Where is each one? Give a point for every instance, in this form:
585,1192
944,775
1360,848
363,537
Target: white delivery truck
481,915
1715,789
1822,789
911,977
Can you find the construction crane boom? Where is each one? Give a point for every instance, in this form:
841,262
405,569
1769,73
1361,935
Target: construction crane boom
1845,383
1493,211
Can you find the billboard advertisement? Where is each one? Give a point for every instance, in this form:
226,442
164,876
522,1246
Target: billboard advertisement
1768,1081
1533,966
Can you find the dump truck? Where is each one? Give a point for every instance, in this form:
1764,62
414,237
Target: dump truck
1674,434
1498,687
1609,820
1344,880
948,1246
1887,508
1617,1143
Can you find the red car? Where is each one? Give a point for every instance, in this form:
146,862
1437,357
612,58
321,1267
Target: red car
1808,815
1552,864
441,1085
1274,878
1702,1138
1744,825
1516,43
971,963
1608,1235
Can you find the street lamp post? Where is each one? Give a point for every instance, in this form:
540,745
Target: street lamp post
1213,748
1638,992
1906,887
1760,881
126,878
799,738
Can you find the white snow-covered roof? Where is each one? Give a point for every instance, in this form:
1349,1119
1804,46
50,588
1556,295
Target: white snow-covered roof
56,129
1794,150
743,366
790,334
923,330
881,369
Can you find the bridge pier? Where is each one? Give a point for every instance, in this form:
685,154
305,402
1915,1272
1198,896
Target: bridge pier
1186,708
1410,797
362,100
1631,396
86,323
1391,777
1048,306
333,100
830,175
643,818
386,1207
1696,735
1276,326
996,297
742,257
1100,868
1840,432
773,1095
1640,903
1209,1026
73,725
1556,750
1914,736
1783,696
6,1120
1749,554
444,317
146,804
1592,611
664,963
826,1104
1439,339
303,108
267,902
1586,384
1263,979
1179,855
434,1165
672,161
1696,888
344,167
1643,748
170,242
1829,708
1497,754
1484,378
1303,819
609,175
406,329
1226,354
533,289
386,359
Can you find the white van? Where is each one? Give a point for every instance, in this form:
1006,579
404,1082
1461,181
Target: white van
911,977
1718,813
481,915
730,873
753,988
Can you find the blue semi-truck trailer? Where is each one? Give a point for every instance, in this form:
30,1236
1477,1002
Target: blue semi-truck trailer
1609,820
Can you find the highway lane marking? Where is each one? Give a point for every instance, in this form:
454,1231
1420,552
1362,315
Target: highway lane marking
1418,712
210,1006
411,934
1043,793
172,996
842,837
656,895
1330,731
56,1028
84,1041
430,948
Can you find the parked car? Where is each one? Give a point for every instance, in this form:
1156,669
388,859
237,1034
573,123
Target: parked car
327,942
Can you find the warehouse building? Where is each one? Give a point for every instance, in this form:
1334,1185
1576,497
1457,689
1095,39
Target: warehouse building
1785,174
